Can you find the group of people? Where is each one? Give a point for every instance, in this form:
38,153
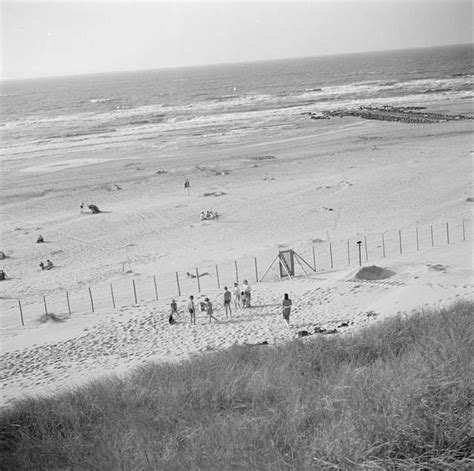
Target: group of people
46,266
241,300
207,215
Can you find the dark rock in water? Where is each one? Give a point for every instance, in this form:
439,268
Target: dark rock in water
343,324
303,333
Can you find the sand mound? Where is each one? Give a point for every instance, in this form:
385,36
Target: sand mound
374,273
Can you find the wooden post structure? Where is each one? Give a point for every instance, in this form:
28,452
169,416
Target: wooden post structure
417,240
359,243
21,314
348,254
463,231
383,245
236,272
400,240
330,255
92,301
314,259
432,237
156,288
366,250
45,306
134,291
217,276
447,232
112,295
197,279
256,269
68,304
177,283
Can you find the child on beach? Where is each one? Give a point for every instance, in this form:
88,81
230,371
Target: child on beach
192,310
237,304
209,310
227,298
286,305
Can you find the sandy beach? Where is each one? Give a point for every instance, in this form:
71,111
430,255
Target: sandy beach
328,180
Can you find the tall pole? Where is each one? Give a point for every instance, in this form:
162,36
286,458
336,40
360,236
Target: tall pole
314,259
134,291
256,270
330,255
177,283
68,304
197,279
21,313
156,287
383,245
359,244
92,301
217,276
112,295
447,232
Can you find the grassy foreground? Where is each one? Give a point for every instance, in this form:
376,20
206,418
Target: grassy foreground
395,395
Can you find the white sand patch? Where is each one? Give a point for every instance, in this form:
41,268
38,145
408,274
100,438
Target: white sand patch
64,165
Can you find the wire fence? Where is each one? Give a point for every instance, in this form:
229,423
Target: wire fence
322,256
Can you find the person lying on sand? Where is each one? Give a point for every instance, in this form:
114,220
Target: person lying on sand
190,275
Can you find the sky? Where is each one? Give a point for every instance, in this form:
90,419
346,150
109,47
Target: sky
46,38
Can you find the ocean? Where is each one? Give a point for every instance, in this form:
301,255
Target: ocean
158,108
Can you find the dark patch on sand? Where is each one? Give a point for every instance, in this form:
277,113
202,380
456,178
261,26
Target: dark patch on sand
374,273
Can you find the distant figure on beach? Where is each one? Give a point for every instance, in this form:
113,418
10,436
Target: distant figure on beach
3,275
187,185
227,299
40,239
82,208
237,304
248,293
286,305
192,310
94,209
173,312
209,310
49,264
42,265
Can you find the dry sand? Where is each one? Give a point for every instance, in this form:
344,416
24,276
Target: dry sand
374,176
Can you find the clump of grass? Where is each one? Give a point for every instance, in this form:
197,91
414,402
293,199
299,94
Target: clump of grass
395,395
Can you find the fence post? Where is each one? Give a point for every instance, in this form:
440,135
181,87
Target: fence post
348,254
217,276
236,272
68,305
134,291
383,246
177,282
417,240
432,237
256,270
197,279
45,306
463,231
366,250
156,288
92,301
314,259
21,313
330,254
112,294
400,240
447,232
359,243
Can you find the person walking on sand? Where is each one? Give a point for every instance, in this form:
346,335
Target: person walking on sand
247,290
227,298
173,312
209,310
192,310
237,304
286,305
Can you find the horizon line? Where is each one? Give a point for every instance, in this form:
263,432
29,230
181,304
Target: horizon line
217,64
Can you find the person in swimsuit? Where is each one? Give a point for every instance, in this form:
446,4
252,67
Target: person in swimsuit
227,299
286,305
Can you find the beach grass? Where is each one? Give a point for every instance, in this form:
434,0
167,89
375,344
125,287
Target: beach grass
395,395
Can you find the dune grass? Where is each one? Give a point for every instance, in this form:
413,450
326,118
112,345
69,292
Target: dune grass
396,395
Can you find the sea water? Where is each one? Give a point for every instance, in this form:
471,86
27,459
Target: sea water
59,116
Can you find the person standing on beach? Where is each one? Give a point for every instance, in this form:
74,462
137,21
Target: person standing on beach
286,305
187,185
209,310
237,304
247,290
192,310
227,298
174,312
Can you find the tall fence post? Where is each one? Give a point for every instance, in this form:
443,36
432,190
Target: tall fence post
236,272
217,277
256,269
348,254
45,306
112,295
314,259
21,313
432,236
400,240
366,249
197,279
92,301
383,245
330,255
417,240
463,231
359,243
177,283
156,287
447,232
68,304
134,291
